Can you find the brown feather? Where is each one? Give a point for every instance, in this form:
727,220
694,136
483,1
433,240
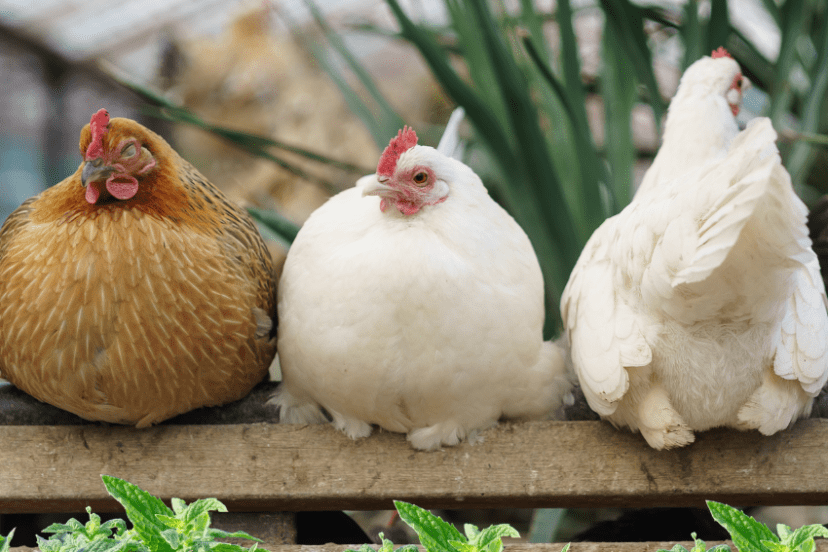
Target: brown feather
134,311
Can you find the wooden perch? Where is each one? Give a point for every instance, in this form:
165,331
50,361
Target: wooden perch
270,467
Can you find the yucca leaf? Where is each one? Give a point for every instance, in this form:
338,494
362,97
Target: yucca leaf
477,111
773,10
281,229
572,66
533,21
477,60
628,21
801,154
755,65
556,251
618,87
691,34
792,14
718,28
557,243
386,121
592,169
563,141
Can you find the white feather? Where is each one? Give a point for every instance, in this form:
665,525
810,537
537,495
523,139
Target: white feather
428,324
450,144
701,304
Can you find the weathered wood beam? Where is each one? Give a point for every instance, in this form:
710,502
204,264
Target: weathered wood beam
270,467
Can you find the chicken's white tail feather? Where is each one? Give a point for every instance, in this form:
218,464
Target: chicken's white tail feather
450,144
544,390
802,353
750,165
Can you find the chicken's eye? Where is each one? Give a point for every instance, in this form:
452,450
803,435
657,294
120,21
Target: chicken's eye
420,178
129,150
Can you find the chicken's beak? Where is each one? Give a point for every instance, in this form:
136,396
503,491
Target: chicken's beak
377,187
95,170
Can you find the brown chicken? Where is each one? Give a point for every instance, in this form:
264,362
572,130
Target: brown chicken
134,290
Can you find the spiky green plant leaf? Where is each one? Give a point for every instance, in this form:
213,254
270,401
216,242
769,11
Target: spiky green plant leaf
5,542
747,533
142,509
434,533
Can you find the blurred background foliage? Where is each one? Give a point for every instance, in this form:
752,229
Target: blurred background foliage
525,95
564,100
526,99
517,70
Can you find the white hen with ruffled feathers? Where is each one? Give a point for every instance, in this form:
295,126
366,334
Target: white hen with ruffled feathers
701,303
420,310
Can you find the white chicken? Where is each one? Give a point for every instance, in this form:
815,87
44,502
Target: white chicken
701,303
414,302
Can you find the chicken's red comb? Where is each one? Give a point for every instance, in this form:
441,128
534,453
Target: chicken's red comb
404,141
720,52
97,125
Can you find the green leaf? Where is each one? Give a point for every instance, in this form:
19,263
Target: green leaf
807,546
472,532
201,507
70,526
162,108
587,208
618,86
792,20
803,535
566,547
224,547
434,533
383,122
802,153
172,537
116,524
5,542
463,546
493,534
676,548
629,25
363,548
747,533
219,534
718,27
775,546
107,546
691,34
142,509
283,229
178,505
171,521
377,116
783,531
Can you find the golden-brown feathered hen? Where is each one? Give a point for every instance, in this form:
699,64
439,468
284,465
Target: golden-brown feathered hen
134,290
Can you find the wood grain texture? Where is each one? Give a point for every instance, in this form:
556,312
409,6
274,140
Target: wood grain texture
270,467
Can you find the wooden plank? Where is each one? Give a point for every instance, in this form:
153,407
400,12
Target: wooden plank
271,467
